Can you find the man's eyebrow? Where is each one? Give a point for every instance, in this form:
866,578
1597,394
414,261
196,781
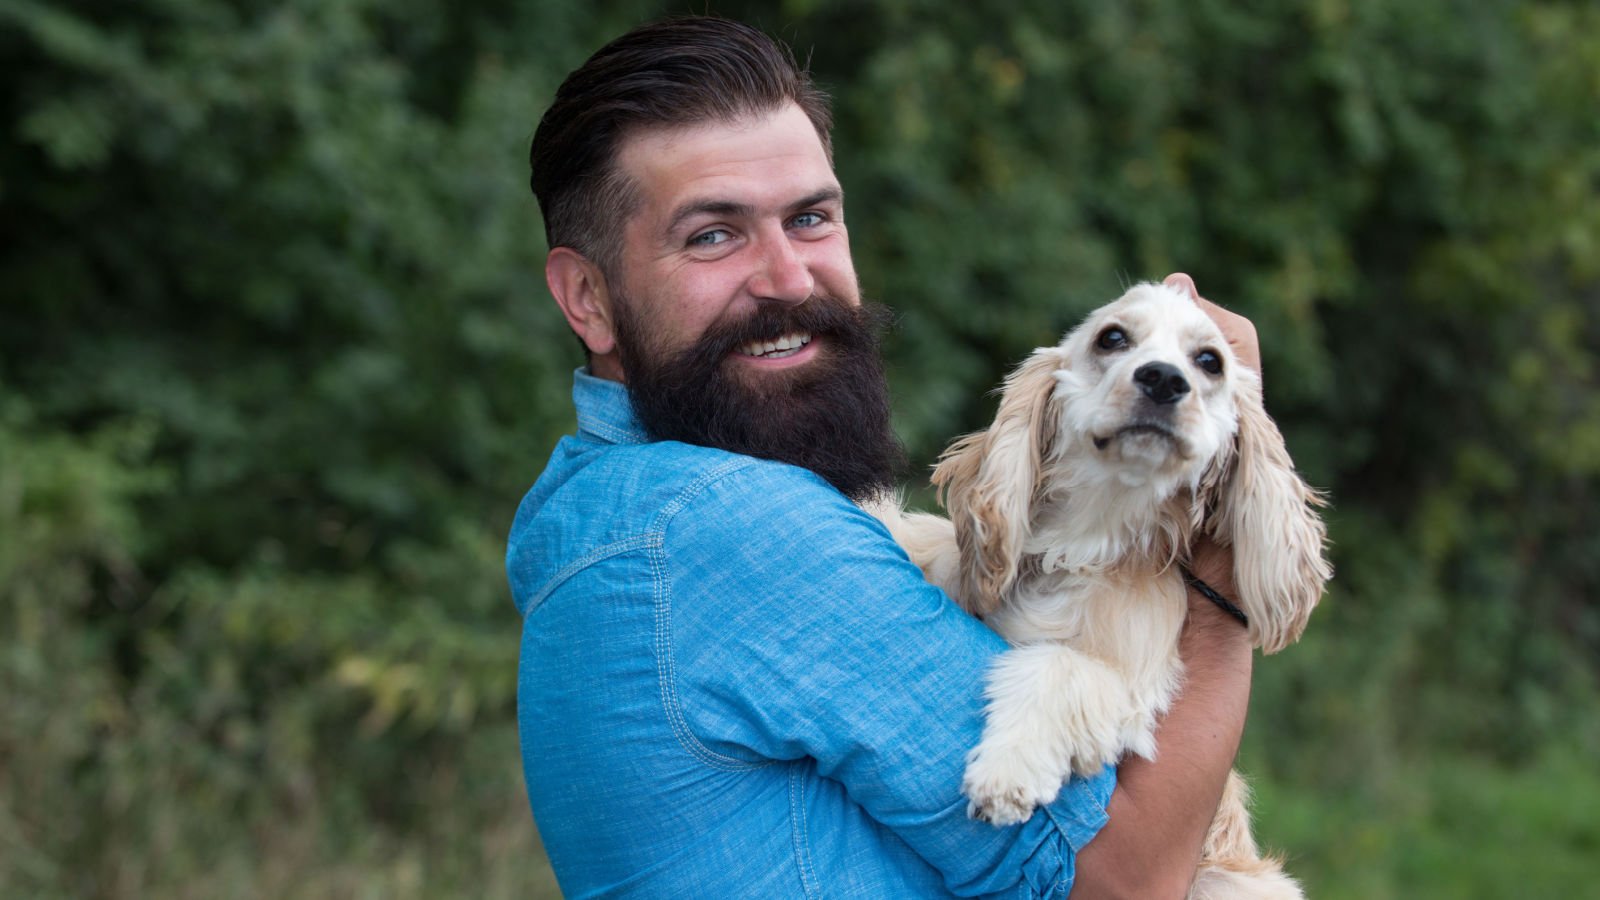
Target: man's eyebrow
826,195
709,208
734,209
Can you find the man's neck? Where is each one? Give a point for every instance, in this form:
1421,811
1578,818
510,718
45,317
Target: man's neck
606,366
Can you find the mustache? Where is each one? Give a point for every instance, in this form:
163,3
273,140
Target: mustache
821,315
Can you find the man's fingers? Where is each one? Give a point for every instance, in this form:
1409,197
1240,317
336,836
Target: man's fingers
1239,331
1183,283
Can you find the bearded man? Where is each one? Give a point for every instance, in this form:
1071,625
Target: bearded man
732,682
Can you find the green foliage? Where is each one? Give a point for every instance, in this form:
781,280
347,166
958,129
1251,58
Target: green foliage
276,362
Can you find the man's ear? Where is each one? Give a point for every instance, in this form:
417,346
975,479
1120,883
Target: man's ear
581,291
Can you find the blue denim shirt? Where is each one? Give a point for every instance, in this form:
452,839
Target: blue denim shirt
733,683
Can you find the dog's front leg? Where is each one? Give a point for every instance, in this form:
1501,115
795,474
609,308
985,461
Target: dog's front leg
1052,711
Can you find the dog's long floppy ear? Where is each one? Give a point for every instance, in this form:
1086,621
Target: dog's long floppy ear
988,480
1263,509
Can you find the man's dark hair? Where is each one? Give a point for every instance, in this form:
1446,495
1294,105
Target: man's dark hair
669,74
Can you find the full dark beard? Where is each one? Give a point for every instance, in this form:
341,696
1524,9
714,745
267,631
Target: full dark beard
831,415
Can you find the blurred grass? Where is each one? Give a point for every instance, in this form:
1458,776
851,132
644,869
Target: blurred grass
1444,827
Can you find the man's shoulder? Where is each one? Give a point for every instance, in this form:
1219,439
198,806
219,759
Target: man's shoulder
700,506
700,500
596,494
661,478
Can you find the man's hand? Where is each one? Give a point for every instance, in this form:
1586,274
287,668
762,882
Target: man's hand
1236,329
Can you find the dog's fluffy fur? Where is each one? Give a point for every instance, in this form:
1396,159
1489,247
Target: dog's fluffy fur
1069,519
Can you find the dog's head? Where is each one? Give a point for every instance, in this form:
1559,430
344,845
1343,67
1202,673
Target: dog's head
1138,428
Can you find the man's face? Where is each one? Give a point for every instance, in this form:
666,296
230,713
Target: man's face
738,318
732,216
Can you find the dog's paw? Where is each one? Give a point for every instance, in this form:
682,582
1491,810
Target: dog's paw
1003,789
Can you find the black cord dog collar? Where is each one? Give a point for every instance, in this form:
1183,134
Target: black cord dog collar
1210,593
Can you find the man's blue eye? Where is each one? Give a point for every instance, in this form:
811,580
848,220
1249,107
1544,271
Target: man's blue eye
709,238
806,220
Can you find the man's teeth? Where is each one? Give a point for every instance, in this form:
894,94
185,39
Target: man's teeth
788,345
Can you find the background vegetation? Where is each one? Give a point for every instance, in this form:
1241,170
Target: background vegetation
276,363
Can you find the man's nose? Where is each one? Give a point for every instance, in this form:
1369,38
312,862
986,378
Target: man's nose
781,271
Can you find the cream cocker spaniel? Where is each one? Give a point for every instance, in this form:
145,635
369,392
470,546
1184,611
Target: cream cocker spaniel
1070,518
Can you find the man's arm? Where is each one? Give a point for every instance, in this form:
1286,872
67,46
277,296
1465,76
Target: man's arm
808,633
1161,810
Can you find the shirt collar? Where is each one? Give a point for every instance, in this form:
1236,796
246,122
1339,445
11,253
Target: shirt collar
604,410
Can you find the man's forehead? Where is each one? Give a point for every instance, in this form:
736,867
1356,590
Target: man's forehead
777,148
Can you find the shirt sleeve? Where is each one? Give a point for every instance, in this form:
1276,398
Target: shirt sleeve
801,629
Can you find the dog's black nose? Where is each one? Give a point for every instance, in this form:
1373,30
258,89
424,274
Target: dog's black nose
1161,382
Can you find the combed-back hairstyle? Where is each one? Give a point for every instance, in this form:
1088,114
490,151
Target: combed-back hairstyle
670,74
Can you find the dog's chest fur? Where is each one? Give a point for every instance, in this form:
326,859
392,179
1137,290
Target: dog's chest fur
1127,617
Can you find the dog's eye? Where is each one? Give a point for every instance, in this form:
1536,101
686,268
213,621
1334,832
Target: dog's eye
1209,362
1112,338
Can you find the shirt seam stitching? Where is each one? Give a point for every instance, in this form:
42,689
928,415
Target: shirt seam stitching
802,849
666,664
611,433
615,548
693,490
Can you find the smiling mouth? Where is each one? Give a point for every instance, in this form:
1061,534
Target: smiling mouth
785,346
1100,443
